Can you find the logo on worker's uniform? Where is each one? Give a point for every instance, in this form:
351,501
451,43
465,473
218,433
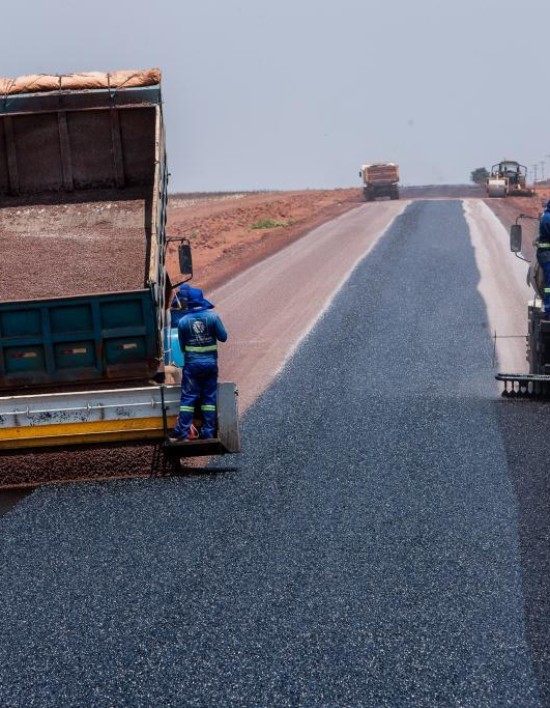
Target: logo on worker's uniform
198,327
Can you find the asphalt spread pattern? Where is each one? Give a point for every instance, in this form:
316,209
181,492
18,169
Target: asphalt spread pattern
364,550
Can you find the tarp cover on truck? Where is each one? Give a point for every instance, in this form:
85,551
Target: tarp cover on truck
39,83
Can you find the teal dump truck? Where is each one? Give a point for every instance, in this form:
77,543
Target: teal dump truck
84,282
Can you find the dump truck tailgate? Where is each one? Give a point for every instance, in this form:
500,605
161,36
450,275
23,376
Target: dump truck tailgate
60,341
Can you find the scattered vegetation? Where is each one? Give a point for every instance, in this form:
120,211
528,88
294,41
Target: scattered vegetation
269,224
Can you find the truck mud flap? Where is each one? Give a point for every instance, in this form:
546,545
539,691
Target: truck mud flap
525,385
228,438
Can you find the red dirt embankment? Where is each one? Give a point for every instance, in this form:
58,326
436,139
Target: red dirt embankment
232,232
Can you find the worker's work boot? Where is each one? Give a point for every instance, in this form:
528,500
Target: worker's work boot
176,437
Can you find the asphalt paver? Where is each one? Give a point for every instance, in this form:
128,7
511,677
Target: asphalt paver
368,547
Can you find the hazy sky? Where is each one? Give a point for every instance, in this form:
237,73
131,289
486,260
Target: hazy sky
297,94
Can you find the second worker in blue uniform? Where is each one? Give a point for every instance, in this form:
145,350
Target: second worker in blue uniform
199,331
543,256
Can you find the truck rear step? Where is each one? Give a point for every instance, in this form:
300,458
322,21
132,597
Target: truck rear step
227,439
113,416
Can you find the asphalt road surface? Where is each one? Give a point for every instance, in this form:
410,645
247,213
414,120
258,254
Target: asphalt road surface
381,541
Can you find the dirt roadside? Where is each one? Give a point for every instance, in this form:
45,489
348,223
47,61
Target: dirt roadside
229,233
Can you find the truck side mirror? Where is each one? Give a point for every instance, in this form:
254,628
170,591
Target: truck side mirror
184,258
515,238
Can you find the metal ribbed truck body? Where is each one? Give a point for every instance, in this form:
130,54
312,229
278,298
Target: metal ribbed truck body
380,179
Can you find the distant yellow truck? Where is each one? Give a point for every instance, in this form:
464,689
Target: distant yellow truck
380,179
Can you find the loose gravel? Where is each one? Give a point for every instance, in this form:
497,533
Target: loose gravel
68,249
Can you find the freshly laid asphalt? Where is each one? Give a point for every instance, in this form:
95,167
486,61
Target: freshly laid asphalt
381,541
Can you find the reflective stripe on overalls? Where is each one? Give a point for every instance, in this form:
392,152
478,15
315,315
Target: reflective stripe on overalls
201,350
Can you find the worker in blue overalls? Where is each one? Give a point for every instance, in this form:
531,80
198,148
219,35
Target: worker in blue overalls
543,256
199,331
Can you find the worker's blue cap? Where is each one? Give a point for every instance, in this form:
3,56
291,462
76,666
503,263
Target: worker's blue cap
196,300
179,300
182,293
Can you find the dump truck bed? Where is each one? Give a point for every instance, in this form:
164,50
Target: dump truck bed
83,187
73,247
386,173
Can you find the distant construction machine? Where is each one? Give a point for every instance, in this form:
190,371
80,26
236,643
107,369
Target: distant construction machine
508,179
380,179
535,383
